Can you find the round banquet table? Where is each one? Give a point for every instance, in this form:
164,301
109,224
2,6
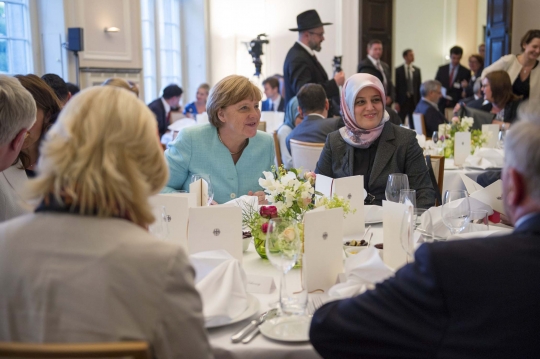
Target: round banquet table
452,179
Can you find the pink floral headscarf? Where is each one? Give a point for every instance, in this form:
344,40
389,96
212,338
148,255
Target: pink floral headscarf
352,133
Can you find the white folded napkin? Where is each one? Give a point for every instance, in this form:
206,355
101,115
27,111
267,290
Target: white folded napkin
485,158
361,270
373,213
221,282
439,228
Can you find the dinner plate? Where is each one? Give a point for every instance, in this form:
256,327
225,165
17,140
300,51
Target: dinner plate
252,308
287,329
482,169
373,214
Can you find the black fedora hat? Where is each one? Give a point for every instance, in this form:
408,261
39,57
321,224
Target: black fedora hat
309,20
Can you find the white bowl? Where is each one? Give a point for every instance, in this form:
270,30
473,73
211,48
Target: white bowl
351,251
245,243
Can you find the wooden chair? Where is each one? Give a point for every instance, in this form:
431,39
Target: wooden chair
449,113
134,350
262,126
277,149
305,155
437,164
419,123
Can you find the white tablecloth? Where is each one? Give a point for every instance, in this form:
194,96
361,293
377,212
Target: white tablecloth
452,178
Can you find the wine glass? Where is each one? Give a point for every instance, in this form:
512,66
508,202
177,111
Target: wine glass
478,221
283,247
435,137
456,210
396,182
210,190
407,233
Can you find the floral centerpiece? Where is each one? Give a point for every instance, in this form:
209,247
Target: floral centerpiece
292,194
464,124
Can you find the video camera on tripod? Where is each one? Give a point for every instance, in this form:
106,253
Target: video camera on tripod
255,50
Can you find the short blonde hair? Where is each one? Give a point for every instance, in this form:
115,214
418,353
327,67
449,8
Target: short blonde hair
17,109
232,89
119,82
103,154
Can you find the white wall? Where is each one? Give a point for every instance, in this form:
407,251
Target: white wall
524,18
51,36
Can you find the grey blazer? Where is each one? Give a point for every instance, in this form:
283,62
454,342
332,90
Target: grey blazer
12,188
398,152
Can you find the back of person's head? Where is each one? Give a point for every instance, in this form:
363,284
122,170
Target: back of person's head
121,83
172,91
58,85
429,86
501,88
134,87
103,156
528,37
272,82
456,50
230,90
523,153
311,98
73,89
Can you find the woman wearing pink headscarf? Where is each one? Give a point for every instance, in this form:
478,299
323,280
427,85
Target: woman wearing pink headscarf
371,146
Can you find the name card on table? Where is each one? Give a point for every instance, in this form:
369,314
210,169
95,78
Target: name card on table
176,208
491,195
394,254
199,189
352,189
215,227
323,248
492,132
462,147
260,284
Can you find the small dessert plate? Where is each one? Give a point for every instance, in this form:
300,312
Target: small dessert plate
287,329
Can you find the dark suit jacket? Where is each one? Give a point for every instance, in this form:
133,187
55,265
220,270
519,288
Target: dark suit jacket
266,105
314,129
465,299
159,110
401,84
478,104
432,117
366,66
398,152
443,76
301,68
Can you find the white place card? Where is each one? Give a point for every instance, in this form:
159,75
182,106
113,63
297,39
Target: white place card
260,284
462,147
492,132
394,254
215,227
470,184
323,248
200,190
492,196
324,185
176,207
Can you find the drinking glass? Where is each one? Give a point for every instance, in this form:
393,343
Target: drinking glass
456,210
408,195
160,227
396,182
283,248
424,224
502,135
478,221
407,233
435,137
206,178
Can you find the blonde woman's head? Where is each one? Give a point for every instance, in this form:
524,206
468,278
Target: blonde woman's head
104,156
119,82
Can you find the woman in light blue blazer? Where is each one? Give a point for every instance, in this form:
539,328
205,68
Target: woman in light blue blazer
229,148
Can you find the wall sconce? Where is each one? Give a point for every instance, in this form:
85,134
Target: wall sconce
111,29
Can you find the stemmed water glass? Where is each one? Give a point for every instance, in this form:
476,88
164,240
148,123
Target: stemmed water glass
456,210
407,233
435,137
206,178
396,182
283,247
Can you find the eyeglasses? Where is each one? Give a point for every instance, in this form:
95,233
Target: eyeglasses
316,33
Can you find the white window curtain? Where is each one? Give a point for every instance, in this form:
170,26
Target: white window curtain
15,40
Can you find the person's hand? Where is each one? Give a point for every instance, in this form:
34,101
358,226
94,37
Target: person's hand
261,196
214,203
506,220
455,119
339,78
396,107
457,107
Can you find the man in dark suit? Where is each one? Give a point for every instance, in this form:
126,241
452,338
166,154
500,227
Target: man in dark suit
301,65
313,107
408,81
474,298
162,106
431,93
274,101
373,65
454,77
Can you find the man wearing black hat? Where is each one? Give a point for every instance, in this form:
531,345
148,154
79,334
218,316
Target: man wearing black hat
301,66
162,106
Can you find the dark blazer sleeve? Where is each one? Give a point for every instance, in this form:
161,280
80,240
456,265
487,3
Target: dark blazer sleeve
301,74
265,106
433,119
404,317
324,165
417,172
401,85
157,108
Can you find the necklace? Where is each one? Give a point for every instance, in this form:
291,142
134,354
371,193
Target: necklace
232,153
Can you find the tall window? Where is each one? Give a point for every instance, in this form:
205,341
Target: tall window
160,25
15,45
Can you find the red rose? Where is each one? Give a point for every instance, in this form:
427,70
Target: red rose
264,227
268,212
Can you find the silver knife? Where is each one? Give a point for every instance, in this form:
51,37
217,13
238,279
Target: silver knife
271,314
237,337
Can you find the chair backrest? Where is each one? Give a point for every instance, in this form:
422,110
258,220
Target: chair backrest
419,123
277,149
134,350
305,154
262,126
449,113
437,164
